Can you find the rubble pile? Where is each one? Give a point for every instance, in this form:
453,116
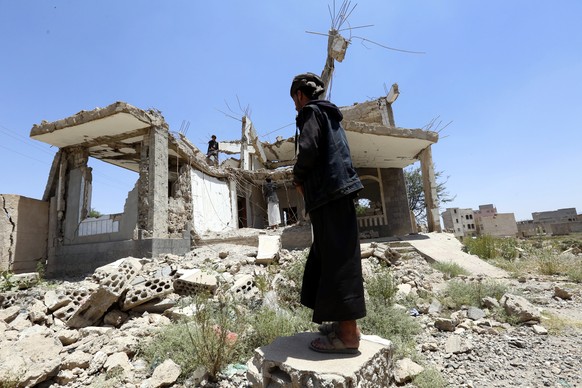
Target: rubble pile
78,333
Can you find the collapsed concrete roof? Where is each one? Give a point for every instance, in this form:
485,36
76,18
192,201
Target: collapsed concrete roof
374,139
114,134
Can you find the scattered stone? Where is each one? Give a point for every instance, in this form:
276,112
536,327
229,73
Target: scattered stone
165,374
520,308
435,307
475,313
490,302
405,370
9,314
562,292
444,324
538,329
456,345
115,318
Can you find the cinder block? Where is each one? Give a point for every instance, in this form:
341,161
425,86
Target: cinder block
151,289
244,287
118,276
194,281
76,299
91,311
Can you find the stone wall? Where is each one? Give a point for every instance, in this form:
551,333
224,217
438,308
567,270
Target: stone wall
23,233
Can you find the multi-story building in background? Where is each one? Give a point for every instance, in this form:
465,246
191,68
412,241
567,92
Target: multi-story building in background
459,221
553,222
485,221
491,223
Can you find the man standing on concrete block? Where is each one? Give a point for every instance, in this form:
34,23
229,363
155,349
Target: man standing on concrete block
325,176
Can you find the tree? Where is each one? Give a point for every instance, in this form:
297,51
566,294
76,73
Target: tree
415,192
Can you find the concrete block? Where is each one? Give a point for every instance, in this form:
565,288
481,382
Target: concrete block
151,289
288,362
77,298
194,281
54,301
244,287
119,275
93,308
269,247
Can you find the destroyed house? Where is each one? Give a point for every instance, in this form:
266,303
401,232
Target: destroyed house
180,196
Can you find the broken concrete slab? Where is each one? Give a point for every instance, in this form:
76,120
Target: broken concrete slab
93,308
269,247
288,362
194,281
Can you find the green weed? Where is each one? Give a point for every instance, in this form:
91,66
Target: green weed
392,323
381,287
449,269
430,378
471,293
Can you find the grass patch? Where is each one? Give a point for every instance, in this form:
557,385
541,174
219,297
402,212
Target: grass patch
548,262
381,288
489,247
288,291
461,293
449,269
557,325
430,378
266,324
482,246
394,324
208,339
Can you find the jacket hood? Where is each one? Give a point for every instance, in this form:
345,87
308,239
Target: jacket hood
330,108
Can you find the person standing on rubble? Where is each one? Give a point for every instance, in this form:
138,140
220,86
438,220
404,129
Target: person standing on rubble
212,152
325,176
270,194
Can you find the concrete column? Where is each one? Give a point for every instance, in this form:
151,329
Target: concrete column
153,184
77,200
395,202
233,203
430,190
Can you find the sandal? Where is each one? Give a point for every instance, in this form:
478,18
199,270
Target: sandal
326,328
331,327
331,343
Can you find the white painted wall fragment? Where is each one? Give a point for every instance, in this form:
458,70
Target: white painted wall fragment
212,203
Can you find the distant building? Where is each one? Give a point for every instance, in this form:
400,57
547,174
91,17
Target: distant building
459,221
553,222
560,215
485,221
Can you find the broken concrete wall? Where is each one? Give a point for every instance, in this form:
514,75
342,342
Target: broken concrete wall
123,225
78,191
23,233
391,187
563,228
180,204
373,112
212,210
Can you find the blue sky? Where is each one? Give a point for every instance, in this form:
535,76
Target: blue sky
508,74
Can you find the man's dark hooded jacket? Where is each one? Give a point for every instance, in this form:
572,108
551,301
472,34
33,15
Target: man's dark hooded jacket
323,166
